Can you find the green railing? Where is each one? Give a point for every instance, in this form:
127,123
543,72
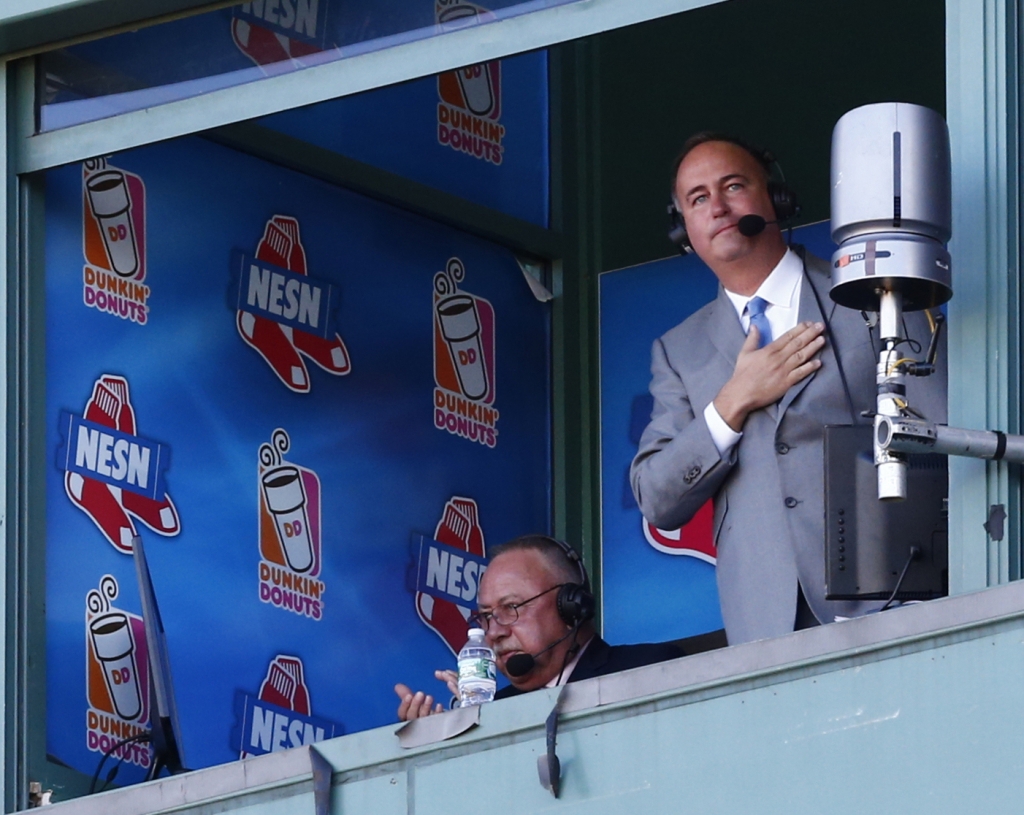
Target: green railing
912,710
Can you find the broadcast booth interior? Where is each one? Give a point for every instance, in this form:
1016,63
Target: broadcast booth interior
311,303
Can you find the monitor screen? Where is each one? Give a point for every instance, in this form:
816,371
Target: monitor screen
869,542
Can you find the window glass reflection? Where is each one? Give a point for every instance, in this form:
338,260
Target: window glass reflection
480,132
245,43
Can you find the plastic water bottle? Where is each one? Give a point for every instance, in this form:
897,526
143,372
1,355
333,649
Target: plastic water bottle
476,670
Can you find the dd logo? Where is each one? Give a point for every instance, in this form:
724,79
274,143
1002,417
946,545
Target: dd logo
292,529
117,233
121,676
467,356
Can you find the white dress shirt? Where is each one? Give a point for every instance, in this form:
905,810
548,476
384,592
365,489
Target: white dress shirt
782,291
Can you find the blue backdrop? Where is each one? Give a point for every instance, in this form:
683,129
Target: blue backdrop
158,353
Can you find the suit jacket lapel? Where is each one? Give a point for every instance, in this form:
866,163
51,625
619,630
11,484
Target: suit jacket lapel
725,330
809,312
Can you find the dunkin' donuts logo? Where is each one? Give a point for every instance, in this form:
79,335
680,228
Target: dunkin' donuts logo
117,676
464,370
289,532
694,539
280,716
448,571
114,241
111,472
469,109
283,314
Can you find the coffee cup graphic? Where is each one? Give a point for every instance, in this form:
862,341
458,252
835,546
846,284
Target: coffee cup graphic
111,204
474,80
452,13
114,646
460,327
477,90
286,500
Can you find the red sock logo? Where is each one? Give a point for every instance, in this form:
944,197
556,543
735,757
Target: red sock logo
281,346
112,508
459,528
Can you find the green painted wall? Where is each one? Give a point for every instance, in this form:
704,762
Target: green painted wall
905,712
779,73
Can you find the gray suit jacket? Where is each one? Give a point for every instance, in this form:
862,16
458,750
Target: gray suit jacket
769,492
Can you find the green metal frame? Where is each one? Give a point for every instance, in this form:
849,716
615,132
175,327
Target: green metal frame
24,441
575,213
983,86
26,559
9,260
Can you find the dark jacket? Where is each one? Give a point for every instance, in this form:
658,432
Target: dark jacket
600,659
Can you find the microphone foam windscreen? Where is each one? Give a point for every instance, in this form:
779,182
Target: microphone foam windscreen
751,225
519,665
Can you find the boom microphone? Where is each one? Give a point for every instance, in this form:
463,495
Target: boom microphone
752,225
521,664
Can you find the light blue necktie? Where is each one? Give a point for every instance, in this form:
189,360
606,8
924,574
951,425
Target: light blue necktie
755,308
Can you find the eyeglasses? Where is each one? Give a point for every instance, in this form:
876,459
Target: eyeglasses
507,613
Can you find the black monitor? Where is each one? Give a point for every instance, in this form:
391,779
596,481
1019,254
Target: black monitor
868,542
165,731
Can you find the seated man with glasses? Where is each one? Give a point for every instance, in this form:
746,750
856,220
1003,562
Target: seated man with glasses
536,610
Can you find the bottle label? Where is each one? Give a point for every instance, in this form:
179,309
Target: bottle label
481,668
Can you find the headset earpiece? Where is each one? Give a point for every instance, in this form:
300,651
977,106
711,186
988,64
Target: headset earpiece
677,230
784,201
575,604
574,601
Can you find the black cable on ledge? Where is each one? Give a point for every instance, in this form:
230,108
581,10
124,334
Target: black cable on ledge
138,737
915,553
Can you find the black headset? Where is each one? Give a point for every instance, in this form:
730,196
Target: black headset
575,603
784,200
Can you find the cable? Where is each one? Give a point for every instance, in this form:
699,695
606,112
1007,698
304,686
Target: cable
138,737
892,366
915,553
802,252
870,324
573,650
915,346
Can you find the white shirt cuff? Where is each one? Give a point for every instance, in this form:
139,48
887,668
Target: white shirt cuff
722,435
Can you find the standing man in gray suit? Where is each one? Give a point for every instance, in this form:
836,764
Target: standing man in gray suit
742,390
